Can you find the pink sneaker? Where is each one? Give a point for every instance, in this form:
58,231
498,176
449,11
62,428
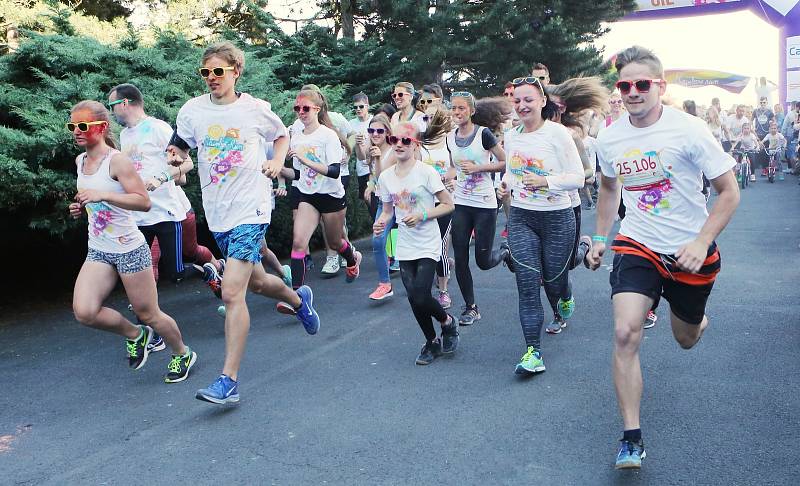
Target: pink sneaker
352,272
444,299
383,291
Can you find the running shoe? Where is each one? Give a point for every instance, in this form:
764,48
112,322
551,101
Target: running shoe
351,273
429,352
384,291
213,279
444,299
309,261
179,366
507,258
555,325
137,348
630,455
752,177
285,308
566,308
394,266
156,344
450,336
306,313
469,316
651,319
331,267
530,363
223,390
287,275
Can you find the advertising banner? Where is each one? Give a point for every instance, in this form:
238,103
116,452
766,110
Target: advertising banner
793,86
646,5
793,52
697,78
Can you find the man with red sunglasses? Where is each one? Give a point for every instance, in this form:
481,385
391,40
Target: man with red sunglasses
656,155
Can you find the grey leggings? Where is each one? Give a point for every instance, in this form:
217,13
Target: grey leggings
541,246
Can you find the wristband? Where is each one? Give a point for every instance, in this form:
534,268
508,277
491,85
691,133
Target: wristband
599,238
167,176
424,215
281,186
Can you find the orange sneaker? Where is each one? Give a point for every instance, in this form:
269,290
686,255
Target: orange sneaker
383,291
352,272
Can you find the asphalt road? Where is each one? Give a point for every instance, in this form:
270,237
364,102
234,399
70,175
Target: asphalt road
348,406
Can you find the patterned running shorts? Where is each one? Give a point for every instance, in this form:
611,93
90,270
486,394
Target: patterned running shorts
132,262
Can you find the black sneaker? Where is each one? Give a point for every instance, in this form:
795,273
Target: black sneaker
156,344
137,348
450,336
507,258
179,366
429,352
469,316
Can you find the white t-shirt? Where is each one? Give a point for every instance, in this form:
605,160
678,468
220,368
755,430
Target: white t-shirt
774,141
231,143
476,189
749,142
412,194
323,147
660,168
735,125
360,127
145,144
549,152
342,126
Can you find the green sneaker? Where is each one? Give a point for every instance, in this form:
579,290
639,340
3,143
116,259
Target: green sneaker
531,362
287,275
137,348
179,366
566,308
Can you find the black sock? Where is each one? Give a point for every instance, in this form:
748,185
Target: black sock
346,251
633,435
298,272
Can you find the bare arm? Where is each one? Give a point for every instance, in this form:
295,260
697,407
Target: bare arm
607,206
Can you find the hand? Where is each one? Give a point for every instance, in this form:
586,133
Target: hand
280,191
412,219
368,195
153,183
175,156
502,191
291,153
75,210
374,151
87,196
468,167
379,227
691,257
533,181
272,168
361,139
450,184
595,255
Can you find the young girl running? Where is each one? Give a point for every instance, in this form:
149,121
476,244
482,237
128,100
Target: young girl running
543,166
379,156
110,190
408,190
230,130
318,149
471,146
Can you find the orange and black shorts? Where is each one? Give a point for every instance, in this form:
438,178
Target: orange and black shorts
640,270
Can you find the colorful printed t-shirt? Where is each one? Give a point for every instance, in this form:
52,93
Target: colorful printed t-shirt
660,168
231,143
412,194
145,145
549,152
476,189
323,147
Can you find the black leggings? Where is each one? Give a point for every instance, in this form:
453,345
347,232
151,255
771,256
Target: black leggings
417,278
483,221
170,242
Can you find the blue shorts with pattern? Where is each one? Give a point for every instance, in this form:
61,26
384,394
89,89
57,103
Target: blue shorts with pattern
243,242
134,261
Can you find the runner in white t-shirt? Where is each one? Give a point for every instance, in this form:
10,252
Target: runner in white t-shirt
409,190
359,125
231,130
471,147
109,191
665,247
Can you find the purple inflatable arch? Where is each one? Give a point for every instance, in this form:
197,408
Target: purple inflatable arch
783,14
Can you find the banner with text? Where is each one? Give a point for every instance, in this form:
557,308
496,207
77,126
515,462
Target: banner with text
645,5
697,78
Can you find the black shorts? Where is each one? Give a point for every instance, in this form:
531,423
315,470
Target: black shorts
294,197
324,203
346,182
633,273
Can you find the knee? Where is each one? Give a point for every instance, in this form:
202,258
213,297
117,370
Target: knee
148,315
85,314
627,336
686,342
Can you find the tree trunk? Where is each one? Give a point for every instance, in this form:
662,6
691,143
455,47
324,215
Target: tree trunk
346,11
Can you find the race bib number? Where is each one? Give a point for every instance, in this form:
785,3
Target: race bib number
641,171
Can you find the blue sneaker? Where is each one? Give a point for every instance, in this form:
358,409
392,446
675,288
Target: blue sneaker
223,390
306,313
630,455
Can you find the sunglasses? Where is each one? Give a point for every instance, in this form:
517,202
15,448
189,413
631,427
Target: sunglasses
642,85
462,94
304,109
400,95
528,80
425,102
359,107
379,131
84,126
508,95
405,140
116,102
615,102
217,71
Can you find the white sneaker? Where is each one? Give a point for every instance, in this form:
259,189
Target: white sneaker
331,266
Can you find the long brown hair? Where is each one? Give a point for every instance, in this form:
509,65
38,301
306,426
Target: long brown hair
319,100
492,113
99,113
439,125
579,95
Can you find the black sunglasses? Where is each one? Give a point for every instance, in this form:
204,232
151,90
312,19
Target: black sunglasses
399,95
405,140
305,109
379,131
